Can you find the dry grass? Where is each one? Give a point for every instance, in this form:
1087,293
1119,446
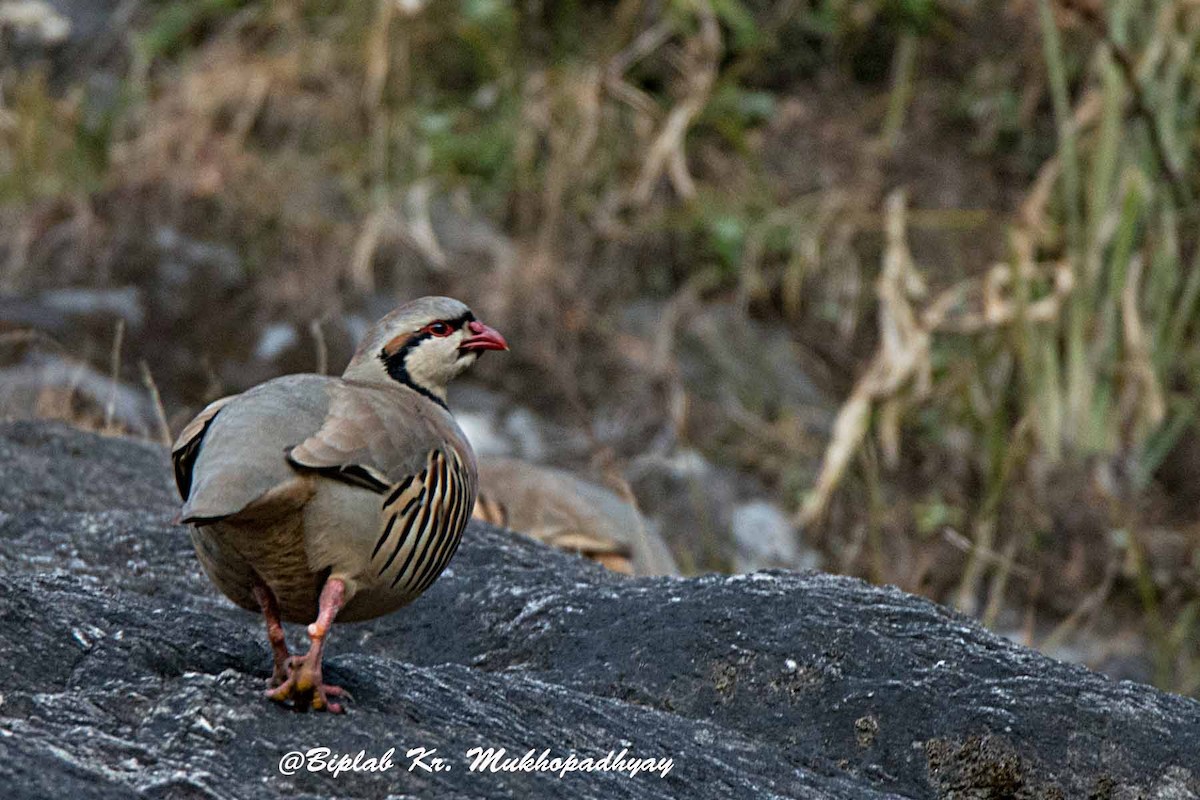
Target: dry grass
1095,345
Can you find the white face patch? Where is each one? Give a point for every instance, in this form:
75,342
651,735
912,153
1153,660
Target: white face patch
437,360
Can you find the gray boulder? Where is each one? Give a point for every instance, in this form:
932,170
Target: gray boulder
124,674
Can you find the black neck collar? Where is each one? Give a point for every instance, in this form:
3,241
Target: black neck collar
398,370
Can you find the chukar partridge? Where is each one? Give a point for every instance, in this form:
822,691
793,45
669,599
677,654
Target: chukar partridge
314,497
561,510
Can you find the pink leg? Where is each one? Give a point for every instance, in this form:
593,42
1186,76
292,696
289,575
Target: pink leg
270,608
304,685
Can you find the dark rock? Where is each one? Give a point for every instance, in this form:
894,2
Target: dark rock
124,674
54,468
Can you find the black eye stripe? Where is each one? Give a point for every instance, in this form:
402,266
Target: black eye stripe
454,324
460,321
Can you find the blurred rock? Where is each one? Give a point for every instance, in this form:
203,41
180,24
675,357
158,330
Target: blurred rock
275,339
496,426
287,347
724,354
64,312
525,431
186,264
90,20
29,313
47,386
357,326
765,538
483,435
33,24
467,236
689,500
123,302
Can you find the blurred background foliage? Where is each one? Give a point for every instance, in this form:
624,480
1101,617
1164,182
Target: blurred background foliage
920,274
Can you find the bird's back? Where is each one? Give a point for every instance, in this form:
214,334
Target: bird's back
560,509
240,453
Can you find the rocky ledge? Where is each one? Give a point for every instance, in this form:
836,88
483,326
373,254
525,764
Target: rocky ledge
124,674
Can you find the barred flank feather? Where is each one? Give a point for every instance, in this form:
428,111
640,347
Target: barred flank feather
423,520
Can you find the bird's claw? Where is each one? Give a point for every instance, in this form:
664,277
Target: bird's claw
304,688
284,670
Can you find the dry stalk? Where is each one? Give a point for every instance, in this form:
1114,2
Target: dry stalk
982,550
996,306
1032,212
322,354
999,584
420,229
1086,608
18,256
362,257
110,406
164,428
251,106
643,45
666,152
960,542
903,358
1143,398
378,55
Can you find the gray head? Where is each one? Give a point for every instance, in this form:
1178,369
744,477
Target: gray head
424,345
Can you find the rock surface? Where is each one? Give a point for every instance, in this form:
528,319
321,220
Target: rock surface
124,674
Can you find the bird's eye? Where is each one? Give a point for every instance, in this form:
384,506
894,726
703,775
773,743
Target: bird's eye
438,328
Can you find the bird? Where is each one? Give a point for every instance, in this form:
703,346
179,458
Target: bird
561,510
312,497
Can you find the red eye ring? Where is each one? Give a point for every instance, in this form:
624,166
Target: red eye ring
438,328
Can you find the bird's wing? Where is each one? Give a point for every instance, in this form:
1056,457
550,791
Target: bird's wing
233,455
409,450
376,437
187,446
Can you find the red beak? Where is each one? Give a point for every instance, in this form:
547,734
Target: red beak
482,338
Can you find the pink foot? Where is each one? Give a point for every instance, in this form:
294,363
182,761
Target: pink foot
284,669
303,687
